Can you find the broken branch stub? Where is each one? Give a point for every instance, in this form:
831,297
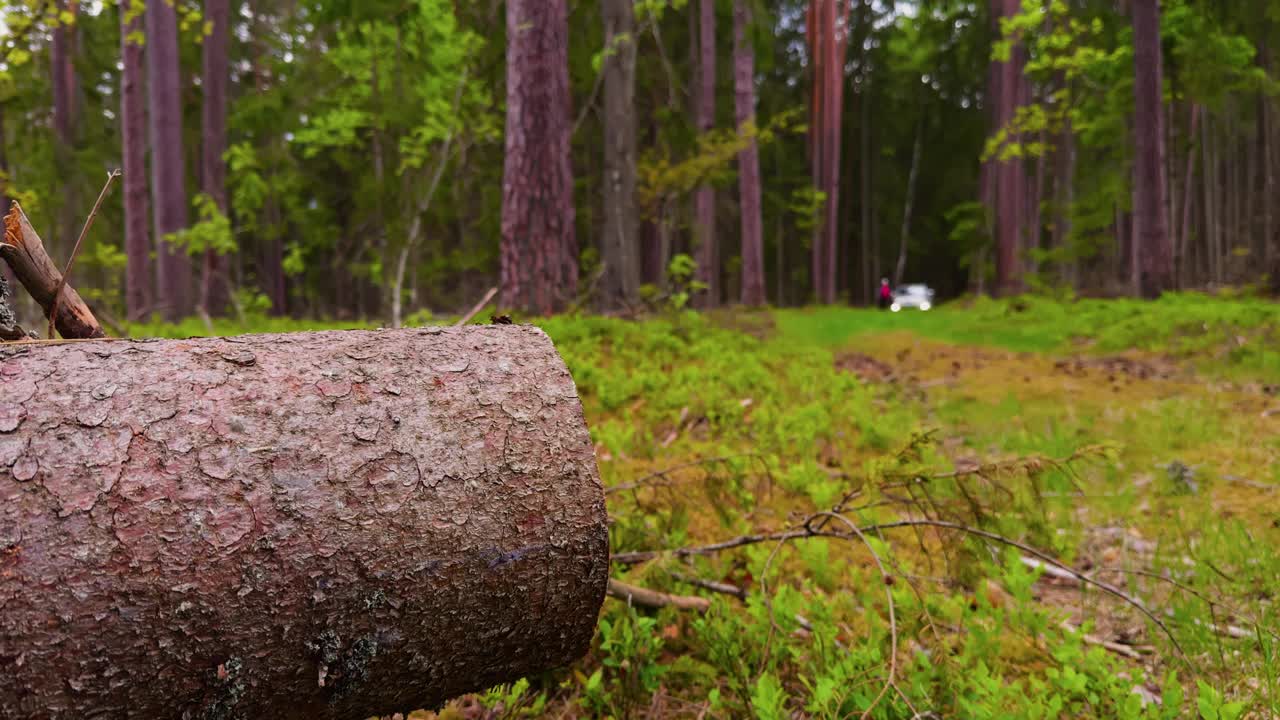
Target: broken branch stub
311,525
23,250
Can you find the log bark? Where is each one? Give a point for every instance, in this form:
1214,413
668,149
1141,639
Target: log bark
313,525
31,264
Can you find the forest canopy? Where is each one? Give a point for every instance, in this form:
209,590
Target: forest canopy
340,159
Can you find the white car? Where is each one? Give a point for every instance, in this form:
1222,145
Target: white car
907,297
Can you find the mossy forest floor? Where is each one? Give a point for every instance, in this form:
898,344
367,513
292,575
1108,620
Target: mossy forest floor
964,451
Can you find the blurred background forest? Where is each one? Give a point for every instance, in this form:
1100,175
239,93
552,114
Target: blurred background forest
375,159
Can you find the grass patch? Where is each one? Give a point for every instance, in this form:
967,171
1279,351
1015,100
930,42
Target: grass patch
765,428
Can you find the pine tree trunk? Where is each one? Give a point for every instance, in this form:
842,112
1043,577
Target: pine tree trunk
1154,250
139,280
827,36
168,164
864,187
539,244
901,267
620,249
8,319
1188,181
1009,176
1268,175
1064,199
215,78
364,523
753,283
704,199
63,83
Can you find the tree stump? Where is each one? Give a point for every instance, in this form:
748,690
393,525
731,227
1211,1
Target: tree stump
310,525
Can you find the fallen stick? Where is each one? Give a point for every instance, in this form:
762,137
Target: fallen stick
1050,570
1127,651
31,264
75,251
713,586
330,525
645,597
477,308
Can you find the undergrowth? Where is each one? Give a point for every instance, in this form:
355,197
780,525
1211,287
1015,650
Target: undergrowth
899,537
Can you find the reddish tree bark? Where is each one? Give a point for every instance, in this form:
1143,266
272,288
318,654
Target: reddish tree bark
63,82
539,245
864,155
139,280
1153,248
744,72
827,30
1188,187
168,166
704,199
63,78
620,246
215,78
1009,177
24,252
316,525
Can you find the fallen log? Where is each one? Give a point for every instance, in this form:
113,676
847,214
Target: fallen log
23,250
311,525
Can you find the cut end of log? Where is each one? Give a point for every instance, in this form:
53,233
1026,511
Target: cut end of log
13,225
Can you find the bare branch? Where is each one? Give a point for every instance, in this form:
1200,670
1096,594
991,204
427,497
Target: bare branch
475,310
644,597
75,251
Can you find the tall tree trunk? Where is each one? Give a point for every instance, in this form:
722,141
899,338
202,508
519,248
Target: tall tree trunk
864,186
1209,205
8,302
1188,184
861,279
270,249
910,200
1154,250
1009,190
63,81
1034,220
704,199
1063,200
168,164
139,278
4,168
653,260
620,250
753,284
215,78
1268,179
827,29
539,244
